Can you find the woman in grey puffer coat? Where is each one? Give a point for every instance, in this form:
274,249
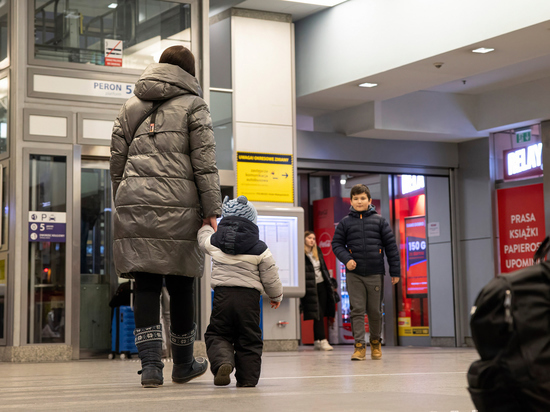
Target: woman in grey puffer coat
165,185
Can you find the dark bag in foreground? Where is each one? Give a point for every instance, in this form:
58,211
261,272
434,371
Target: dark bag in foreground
511,330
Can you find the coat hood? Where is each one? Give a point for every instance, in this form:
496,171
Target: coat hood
161,81
371,210
236,235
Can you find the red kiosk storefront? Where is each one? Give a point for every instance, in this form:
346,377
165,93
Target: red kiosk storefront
520,208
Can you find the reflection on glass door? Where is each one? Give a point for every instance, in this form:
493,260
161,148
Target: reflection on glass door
410,218
47,231
95,258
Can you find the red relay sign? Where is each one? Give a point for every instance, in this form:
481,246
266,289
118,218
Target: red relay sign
521,225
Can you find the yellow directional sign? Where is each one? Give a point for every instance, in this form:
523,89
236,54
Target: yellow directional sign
265,177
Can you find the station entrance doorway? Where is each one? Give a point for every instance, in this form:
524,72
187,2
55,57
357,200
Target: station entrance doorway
419,310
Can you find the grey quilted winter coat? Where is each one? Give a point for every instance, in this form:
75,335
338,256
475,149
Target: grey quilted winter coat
164,184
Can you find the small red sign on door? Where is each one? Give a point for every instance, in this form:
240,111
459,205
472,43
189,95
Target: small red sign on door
113,53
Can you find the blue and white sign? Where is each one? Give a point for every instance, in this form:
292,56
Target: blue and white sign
82,87
47,227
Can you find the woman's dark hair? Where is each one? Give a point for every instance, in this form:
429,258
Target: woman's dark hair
179,56
359,189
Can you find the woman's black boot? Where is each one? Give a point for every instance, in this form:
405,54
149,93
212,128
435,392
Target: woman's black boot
149,344
186,367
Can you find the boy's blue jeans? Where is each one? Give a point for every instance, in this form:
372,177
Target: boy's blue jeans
365,292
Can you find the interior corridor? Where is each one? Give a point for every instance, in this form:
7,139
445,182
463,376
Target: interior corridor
407,379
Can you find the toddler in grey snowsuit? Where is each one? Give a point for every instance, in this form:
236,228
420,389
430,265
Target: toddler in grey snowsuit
243,268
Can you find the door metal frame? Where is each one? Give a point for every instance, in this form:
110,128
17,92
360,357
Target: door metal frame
73,204
4,251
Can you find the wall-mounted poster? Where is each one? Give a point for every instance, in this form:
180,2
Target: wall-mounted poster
521,225
417,265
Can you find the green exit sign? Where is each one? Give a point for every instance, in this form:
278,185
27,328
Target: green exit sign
523,136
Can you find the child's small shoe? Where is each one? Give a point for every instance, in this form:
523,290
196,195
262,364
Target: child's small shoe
360,352
223,377
245,385
375,349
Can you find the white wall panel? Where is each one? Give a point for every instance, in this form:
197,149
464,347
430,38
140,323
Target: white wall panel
47,126
97,129
477,270
441,295
287,313
337,147
438,207
262,67
263,138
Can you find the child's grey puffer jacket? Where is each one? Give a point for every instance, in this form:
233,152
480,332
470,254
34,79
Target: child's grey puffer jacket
240,258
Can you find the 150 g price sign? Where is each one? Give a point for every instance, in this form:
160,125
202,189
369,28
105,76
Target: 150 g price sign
417,245
417,269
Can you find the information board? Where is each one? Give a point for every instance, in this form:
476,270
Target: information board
417,265
280,234
265,177
47,226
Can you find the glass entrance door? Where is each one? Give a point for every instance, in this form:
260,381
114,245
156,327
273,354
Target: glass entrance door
97,275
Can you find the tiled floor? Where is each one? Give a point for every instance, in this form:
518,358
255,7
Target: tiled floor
407,379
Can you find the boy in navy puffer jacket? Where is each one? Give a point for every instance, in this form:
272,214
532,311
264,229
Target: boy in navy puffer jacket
359,242
243,268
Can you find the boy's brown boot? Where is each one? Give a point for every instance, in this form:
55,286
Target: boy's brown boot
375,349
360,352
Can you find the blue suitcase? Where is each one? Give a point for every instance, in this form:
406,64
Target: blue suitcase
122,335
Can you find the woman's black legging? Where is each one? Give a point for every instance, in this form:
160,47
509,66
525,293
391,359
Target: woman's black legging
147,301
319,325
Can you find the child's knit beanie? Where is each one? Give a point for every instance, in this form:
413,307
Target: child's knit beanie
239,207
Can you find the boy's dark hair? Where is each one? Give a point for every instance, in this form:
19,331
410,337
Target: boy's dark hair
179,56
358,189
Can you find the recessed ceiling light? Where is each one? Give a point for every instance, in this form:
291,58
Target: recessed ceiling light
368,85
483,50
327,3
112,5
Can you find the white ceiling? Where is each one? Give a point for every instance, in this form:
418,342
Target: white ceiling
297,10
519,56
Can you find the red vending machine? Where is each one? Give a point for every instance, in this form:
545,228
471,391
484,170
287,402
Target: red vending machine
326,215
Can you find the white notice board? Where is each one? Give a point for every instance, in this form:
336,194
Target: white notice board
280,233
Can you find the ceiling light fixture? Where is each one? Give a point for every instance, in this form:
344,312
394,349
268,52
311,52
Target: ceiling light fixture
327,3
368,85
112,5
483,50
